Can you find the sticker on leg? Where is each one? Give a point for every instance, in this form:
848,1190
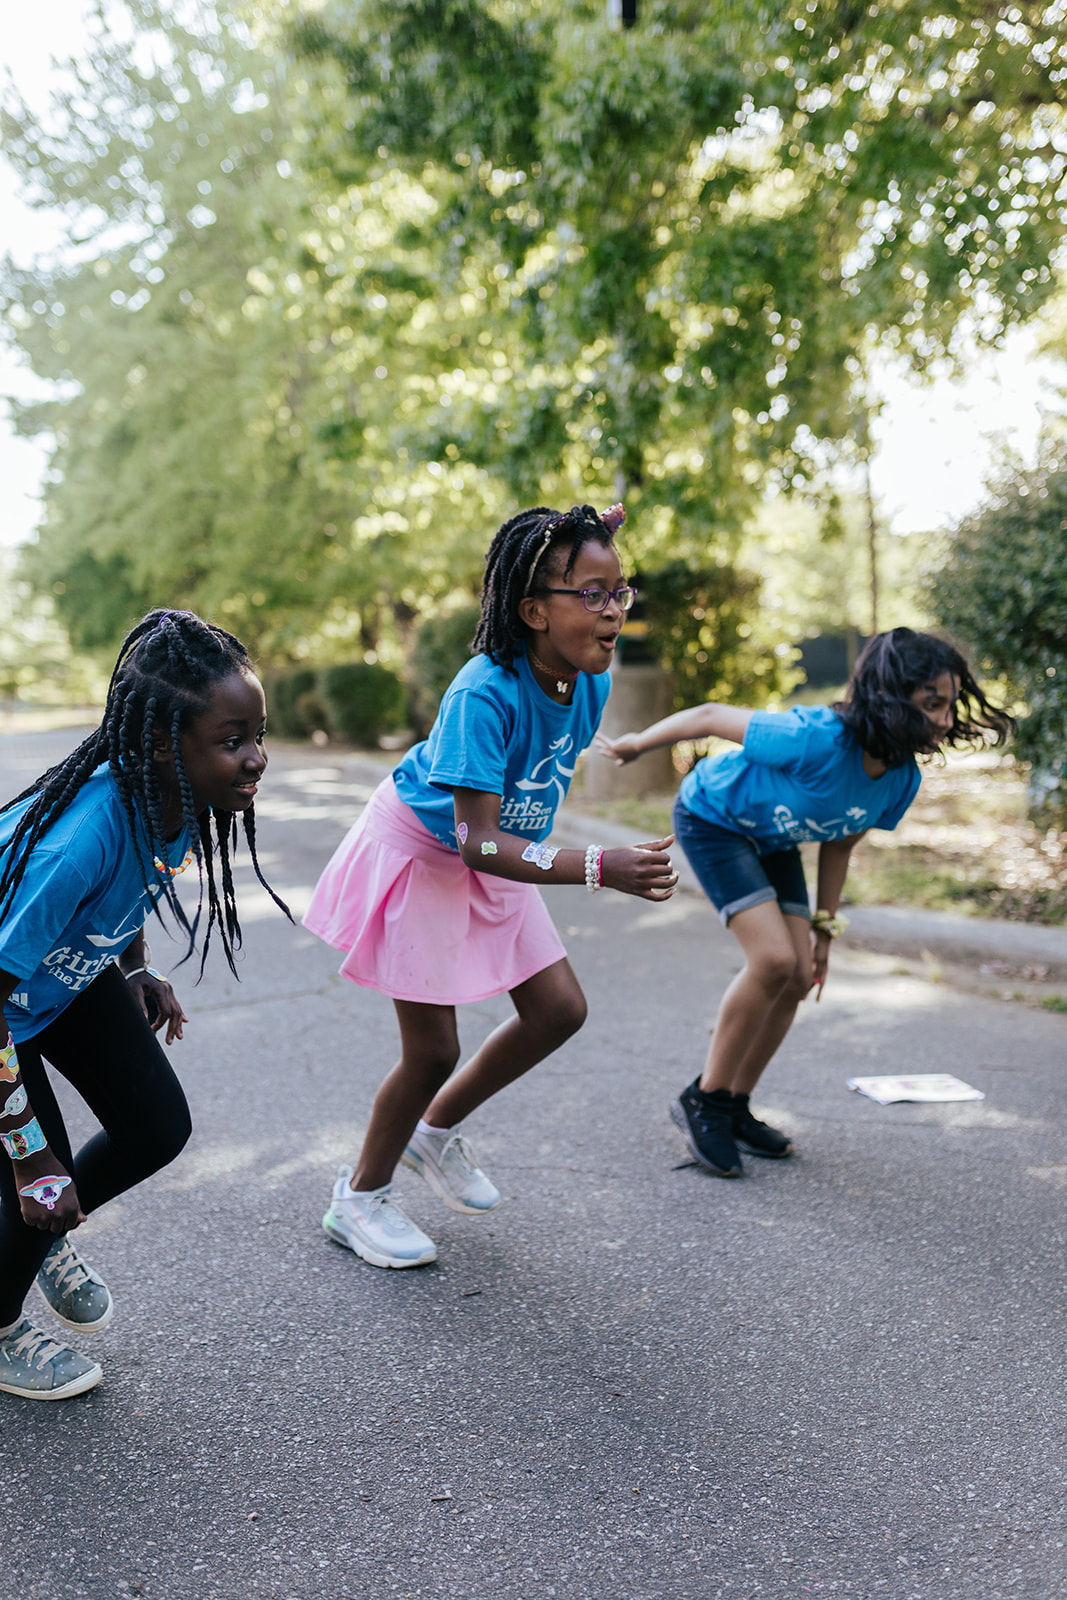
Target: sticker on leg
461,830
488,848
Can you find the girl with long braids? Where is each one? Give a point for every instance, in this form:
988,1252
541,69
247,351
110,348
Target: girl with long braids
86,853
821,774
432,894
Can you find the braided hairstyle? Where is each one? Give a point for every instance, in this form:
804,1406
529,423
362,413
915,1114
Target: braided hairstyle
878,707
166,671
524,552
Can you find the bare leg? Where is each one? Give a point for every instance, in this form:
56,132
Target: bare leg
759,1006
549,1007
429,1050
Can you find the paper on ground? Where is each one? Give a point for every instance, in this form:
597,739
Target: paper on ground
924,1086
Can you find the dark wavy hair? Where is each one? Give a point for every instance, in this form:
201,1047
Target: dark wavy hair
166,672
524,552
878,706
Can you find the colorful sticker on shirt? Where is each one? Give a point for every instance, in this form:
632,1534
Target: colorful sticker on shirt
46,1191
16,1102
488,847
9,1063
24,1141
462,832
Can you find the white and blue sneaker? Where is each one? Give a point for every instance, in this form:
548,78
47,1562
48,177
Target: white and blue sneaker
34,1366
75,1294
370,1222
444,1158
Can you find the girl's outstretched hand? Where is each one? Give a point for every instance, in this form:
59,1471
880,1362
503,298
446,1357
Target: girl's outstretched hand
620,750
641,869
159,1004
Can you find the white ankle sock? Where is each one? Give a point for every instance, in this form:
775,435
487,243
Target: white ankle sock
437,1133
5,1331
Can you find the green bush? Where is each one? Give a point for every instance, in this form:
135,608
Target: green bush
286,690
1002,589
442,645
700,627
362,700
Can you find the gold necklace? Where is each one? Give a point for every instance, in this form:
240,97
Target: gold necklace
563,679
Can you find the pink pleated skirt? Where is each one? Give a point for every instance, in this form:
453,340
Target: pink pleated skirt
416,923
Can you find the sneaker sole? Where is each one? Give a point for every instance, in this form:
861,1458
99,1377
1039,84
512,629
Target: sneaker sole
80,1327
367,1252
88,1380
768,1155
681,1121
429,1176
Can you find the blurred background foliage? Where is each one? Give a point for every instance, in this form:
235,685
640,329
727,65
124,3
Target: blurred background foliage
348,283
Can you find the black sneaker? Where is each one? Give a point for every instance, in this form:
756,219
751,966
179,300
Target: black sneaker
755,1136
706,1122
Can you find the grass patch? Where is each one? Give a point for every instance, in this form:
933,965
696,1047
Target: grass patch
1054,1002
967,845
646,819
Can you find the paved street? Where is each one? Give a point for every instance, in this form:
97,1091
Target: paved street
843,1375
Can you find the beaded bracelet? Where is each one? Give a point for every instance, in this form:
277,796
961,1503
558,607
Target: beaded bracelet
829,922
594,855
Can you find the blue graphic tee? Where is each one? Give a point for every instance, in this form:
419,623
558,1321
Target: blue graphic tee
501,733
797,778
80,903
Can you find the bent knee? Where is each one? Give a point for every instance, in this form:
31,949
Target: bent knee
798,985
569,1015
776,970
157,1147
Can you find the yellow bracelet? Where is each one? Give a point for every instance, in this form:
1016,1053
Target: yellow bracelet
829,922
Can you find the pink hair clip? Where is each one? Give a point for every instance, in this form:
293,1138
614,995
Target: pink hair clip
614,516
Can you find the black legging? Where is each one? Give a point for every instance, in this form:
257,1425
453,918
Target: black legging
102,1044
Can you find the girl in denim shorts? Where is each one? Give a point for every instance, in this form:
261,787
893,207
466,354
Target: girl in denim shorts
821,774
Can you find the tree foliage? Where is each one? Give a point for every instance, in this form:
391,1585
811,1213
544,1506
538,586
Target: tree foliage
1002,588
330,319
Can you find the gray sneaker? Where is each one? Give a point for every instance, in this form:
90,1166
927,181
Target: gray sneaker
372,1224
76,1294
34,1366
447,1163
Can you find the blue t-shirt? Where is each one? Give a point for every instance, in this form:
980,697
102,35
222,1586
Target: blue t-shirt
80,903
797,778
499,732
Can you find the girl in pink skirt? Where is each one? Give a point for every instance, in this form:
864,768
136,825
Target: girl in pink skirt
432,894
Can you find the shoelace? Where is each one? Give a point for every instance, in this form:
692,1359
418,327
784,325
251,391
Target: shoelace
381,1202
457,1147
67,1268
37,1347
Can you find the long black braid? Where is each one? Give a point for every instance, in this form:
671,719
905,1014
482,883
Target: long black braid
524,553
166,671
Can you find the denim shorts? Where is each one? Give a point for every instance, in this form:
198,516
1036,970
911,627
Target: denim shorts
733,874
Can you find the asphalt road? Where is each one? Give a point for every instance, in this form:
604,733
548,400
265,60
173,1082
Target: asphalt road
843,1375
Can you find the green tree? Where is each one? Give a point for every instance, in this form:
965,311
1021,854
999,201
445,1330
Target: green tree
221,437
681,239
1002,588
